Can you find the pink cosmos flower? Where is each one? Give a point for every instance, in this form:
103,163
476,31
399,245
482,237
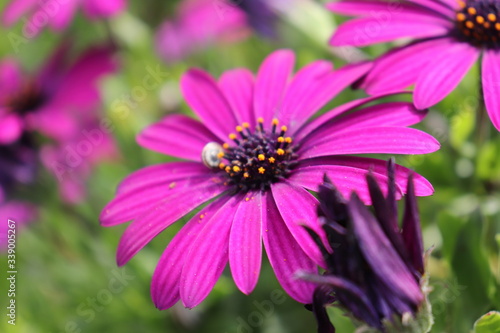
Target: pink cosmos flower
449,36
60,102
57,14
256,184
199,23
20,213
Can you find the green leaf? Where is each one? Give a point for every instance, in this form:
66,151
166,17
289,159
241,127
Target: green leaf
488,323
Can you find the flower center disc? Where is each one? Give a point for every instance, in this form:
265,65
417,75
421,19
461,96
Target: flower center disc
258,158
478,22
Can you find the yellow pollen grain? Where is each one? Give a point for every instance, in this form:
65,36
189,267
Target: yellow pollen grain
239,129
227,169
225,145
480,19
222,166
288,140
220,155
492,17
280,152
281,139
284,128
261,157
469,24
472,11
271,159
497,26
232,136
461,17
246,125
461,4
275,122
260,120
246,175
236,168
262,170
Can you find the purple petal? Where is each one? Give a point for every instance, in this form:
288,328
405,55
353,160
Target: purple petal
491,85
62,17
167,276
11,79
309,96
164,173
238,86
381,9
385,261
387,114
444,73
142,230
400,67
245,242
133,204
378,140
345,178
286,196
99,8
445,7
208,255
313,125
206,99
286,256
271,82
411,231
177,135
370,30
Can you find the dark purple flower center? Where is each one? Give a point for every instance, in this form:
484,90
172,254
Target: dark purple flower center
27,99
257,159
478,22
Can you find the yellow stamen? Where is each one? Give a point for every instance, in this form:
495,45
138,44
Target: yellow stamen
220,155
225,145
271,159
461,17
280,152
239,129
260,120
261,157
246,125
487,25
497,26
281,139
222,165
472,10
480,19
492,17
469,24
288,140
275,122
228,169
461,4
262,170
236,168
232,136
284,128
246,175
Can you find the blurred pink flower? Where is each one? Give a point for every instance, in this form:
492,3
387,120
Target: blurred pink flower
61,102
199,23
57,14
20,213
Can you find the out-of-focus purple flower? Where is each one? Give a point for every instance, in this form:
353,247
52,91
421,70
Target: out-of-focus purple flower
259,178
60,102
449,37
261,15
374,267
55,13
19,214
197,24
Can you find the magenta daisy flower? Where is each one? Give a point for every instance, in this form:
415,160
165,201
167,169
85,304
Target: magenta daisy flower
253,157
450,35
56,14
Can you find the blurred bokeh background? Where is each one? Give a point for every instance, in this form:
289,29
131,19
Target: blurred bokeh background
67,277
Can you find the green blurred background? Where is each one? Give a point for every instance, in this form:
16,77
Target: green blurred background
67,277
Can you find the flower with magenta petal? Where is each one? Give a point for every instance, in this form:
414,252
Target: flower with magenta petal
374,267
449,37
253,157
